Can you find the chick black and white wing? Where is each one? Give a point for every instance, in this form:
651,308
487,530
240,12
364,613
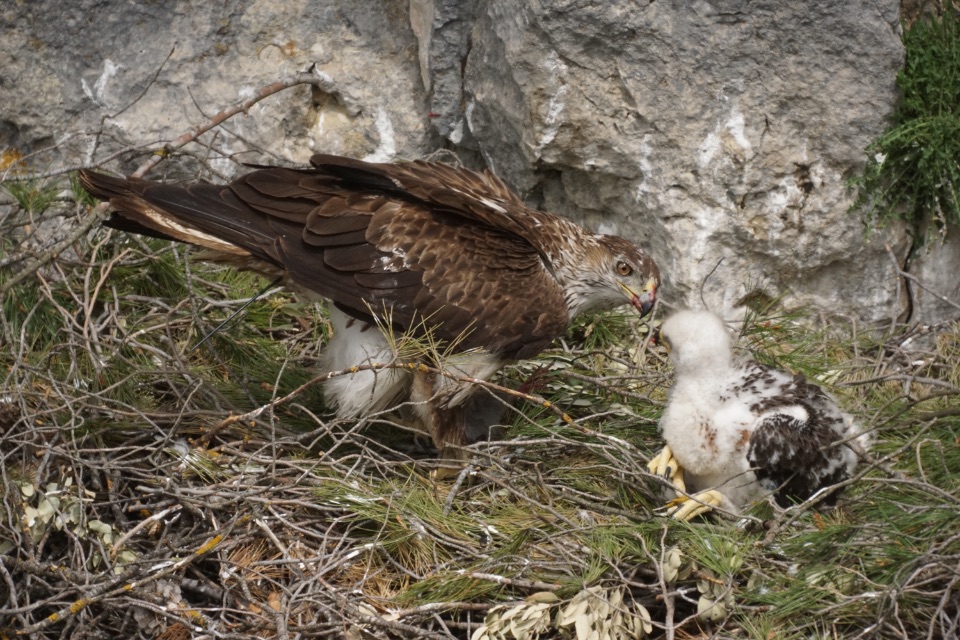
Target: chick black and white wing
796,445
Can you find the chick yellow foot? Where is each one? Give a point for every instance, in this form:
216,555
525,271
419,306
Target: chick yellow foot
687,508
665,465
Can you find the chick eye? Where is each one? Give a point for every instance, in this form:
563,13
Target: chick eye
624,269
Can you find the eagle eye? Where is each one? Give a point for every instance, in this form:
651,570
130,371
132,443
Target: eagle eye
624,269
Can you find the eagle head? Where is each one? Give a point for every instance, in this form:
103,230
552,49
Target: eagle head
617,272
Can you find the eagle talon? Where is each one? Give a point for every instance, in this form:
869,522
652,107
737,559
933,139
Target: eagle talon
665,465
676,502
688,508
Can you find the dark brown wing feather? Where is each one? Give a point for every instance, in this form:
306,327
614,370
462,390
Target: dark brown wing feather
479,196
428,243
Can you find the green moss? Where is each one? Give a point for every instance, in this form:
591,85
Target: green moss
913,169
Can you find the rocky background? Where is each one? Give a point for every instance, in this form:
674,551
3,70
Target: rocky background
719,135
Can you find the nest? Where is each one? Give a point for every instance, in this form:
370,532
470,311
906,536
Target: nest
153,490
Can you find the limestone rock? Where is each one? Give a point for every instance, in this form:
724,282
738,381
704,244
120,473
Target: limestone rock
936,291
720,135
144,73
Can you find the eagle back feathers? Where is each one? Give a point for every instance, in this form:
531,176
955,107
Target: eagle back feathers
795,445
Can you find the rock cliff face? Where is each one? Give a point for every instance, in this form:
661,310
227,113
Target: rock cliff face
720,135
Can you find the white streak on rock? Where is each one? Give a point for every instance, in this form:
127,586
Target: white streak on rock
556,105
708,148
457,134
732,132
100,86
388,143
646,168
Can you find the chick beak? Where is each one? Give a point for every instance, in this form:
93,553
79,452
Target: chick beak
644,300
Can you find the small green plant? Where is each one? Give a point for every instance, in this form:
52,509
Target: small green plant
62,506
913,169
34,196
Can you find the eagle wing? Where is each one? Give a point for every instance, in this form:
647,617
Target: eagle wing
415,243
794,448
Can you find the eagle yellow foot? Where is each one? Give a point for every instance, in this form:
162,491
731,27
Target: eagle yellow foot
450,464
665,465
687,508
446,472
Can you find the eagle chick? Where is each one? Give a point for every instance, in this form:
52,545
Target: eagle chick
739,431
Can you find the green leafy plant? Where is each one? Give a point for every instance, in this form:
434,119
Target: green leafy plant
34,196
913,169
62,506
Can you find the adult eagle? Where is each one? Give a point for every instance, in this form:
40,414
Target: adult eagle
414,246
737,432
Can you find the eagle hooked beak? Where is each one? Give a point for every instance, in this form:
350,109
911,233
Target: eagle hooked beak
644,300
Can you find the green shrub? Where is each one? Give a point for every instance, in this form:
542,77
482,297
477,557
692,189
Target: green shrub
913,169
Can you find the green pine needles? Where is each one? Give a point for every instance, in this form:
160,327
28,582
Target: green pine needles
913,169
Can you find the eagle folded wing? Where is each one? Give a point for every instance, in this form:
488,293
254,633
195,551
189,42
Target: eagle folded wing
366,237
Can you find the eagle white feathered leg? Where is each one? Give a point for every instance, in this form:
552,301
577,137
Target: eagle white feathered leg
448,406
357,344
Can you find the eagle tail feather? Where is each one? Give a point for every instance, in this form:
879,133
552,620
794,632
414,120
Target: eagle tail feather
202,215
